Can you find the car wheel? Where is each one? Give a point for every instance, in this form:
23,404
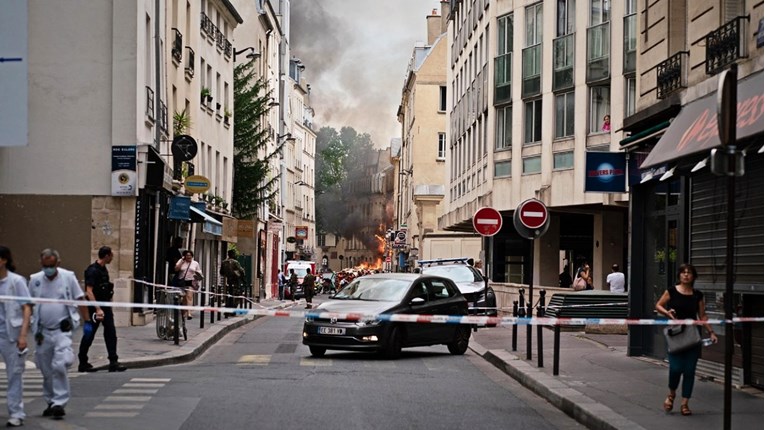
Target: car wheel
392,350
461,340
317,351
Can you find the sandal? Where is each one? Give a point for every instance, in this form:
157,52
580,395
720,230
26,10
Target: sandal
685,410
669,403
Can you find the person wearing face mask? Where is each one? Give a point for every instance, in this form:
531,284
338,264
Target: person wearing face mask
53,326
14,321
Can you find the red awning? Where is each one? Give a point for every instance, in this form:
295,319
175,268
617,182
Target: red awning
694,130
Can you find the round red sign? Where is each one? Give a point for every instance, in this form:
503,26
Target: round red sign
487,221
533,214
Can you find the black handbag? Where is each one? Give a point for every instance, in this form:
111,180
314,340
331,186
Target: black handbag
681,338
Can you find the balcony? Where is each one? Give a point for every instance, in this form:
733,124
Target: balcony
671,74
150,104
563,62
227,49
206,25
503,72
189,69
599,52
177,50
220,41
726,45
532,68
163,117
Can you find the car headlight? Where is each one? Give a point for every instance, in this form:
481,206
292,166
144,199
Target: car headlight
368,322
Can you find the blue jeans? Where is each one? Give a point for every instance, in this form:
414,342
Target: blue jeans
683,364
281,291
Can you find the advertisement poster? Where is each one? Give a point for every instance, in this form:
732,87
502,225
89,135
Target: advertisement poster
606,172
123,171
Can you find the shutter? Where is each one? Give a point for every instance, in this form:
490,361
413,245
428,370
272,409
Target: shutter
732,9
708,228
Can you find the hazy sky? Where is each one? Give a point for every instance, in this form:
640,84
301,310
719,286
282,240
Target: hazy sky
356,54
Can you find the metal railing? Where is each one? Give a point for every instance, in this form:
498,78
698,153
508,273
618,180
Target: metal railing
150,103
671,74
189,61
177,50
726,45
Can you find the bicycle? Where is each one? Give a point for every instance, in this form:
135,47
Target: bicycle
165,319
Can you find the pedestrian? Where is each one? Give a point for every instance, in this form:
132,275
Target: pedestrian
615,280
682,301
13,335
564,279
584,272
53,326
282,281
99,289
188,271
309,284
233,273
293,283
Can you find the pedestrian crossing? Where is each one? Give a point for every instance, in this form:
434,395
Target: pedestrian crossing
128,400
434,364
33,383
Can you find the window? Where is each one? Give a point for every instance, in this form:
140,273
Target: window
598,41
442,99
532,164
630,96
504,127
533,121
630,35
532,54
503,64
502,168
534,18
599,11
564,114
600,109
441,146
566,17
563,160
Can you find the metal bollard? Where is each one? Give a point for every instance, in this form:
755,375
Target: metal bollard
211,303
515,326
540,314
201,302
556,349
176,320
218,295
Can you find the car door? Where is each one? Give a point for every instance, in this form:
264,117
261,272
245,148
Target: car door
418,333
442,302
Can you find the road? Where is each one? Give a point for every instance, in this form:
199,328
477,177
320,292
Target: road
261,376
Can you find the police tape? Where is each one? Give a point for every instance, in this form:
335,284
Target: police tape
178,289
318,314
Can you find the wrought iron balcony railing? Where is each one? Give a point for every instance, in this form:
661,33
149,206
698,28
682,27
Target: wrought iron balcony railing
726,44
163,117
227,48
177,49
671,74
150,103
189,62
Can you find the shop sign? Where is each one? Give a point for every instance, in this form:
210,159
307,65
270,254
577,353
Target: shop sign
301,232
123,171
606,172
229,230
196,184
245,228
179,208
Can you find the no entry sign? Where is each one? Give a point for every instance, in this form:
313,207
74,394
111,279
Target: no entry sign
531,219
487,221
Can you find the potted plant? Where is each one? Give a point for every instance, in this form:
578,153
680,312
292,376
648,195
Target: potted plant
217,106
226,115
181,122
205,96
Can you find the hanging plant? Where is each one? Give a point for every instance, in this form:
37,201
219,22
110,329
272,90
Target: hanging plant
181,122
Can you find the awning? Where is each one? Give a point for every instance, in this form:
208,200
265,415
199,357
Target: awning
210,224
694,130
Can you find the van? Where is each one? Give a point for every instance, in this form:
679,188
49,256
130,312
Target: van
301,268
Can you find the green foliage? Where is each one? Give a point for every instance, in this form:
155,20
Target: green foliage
254,182
181,122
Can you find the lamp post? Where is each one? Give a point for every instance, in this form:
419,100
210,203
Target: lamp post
251,55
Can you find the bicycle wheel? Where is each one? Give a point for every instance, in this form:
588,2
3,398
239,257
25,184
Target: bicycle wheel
161,323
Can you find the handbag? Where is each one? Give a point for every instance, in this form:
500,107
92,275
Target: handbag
681,338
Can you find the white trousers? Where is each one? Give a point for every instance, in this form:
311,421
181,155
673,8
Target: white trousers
53,358
14,370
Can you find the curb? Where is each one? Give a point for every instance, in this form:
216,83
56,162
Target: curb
190,350
583,409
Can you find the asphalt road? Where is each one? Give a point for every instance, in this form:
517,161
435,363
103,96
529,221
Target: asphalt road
261,376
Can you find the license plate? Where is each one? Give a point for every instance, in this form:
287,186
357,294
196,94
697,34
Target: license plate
331,330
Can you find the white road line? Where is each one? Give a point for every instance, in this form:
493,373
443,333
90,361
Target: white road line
135,391
149,379
324,362
254,360
127,398
111,414
142,385
117,406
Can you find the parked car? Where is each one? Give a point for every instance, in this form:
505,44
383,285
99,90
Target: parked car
388,294
472,284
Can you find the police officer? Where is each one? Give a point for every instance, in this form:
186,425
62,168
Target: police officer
53,326
98,288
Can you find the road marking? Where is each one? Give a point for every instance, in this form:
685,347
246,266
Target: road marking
127,398
380,364
26,393
135,391
324,362
111,414
254,360
150,380
142,385
116,406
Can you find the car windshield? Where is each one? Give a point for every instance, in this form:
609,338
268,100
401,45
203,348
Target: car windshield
375,289
456,273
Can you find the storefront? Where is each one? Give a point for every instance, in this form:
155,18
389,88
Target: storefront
678,214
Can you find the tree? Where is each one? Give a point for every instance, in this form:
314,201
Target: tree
254,181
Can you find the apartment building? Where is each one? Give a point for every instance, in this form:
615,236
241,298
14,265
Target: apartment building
530,86
678,204
421,169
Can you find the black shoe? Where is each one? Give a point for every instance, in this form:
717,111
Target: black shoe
48,412
117,367
87,367
58,412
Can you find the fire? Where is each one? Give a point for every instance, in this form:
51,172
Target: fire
380,243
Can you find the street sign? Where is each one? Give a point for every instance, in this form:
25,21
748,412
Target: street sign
531,219
487,221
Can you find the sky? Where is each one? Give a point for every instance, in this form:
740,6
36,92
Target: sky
356,54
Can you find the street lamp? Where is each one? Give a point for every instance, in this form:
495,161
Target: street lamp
252,53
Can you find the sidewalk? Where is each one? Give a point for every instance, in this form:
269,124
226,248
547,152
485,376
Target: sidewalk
603,388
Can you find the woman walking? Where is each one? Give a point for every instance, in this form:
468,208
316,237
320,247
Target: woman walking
187,268
680,302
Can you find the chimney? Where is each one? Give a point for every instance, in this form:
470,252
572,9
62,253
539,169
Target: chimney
434,26
445,11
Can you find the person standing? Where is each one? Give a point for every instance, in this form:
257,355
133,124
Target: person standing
99,289
309,285
293,283
680,302
14,322
615,280
187,268
233,273
53,325
282,281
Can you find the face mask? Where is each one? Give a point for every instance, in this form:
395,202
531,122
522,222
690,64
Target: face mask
49,271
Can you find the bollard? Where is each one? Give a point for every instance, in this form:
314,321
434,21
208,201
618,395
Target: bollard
211,303
540,314
201,302
556,349
515,326
176,320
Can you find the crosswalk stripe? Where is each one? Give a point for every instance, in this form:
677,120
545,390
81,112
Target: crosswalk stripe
149,379
111,414
26,393
127,398
256,360
142,385
117,406
324,362
135,391
4,401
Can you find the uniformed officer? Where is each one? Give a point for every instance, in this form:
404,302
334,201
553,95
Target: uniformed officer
14,321
98,288
54,323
